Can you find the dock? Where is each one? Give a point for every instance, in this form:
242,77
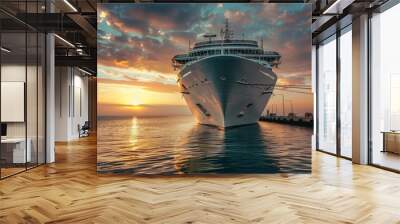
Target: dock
290,119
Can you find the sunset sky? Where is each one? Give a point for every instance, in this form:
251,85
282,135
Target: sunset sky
137,41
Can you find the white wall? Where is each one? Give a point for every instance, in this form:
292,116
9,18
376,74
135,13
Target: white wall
71,102
12,73
62,82
16,73
80,110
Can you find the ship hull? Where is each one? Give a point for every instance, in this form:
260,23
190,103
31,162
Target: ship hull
226,90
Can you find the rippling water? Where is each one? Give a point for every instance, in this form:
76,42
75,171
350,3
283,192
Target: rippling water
177,145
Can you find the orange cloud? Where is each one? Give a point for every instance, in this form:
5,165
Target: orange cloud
142,111
122,63
237,17
152,86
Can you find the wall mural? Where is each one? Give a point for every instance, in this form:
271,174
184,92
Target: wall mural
204,88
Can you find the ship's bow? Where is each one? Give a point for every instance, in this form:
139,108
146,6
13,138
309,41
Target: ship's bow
226,90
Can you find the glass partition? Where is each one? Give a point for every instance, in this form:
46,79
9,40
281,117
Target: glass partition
385,89
31,98
346,92
327,95
22,91
13,94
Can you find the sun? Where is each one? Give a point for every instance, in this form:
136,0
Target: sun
136,102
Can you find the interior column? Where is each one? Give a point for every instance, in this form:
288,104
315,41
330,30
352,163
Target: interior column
360,90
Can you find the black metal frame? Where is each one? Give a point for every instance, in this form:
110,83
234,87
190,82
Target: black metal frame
337,34
338,98
44,77
317,95
369,98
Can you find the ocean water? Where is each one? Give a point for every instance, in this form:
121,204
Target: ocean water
178,145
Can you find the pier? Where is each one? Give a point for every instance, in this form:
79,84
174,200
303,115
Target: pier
290,119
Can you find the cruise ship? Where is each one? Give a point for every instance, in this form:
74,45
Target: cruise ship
226,82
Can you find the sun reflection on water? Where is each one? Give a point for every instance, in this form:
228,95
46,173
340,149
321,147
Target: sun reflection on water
134,130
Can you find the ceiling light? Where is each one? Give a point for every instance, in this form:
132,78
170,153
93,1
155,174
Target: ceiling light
70,5
328,10
64,40
84,71
337,7
5,50
79,51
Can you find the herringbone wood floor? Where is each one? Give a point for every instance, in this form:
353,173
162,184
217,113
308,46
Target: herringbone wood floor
70,191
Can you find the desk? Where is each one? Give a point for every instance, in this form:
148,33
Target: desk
16,147
391,141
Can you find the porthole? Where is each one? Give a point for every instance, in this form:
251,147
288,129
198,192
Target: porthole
202,109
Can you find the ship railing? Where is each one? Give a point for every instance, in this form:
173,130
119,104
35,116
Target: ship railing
270,60
258,56
203,43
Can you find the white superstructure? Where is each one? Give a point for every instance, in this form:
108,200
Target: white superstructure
226,82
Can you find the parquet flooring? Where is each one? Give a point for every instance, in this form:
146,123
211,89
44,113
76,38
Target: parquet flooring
70,191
